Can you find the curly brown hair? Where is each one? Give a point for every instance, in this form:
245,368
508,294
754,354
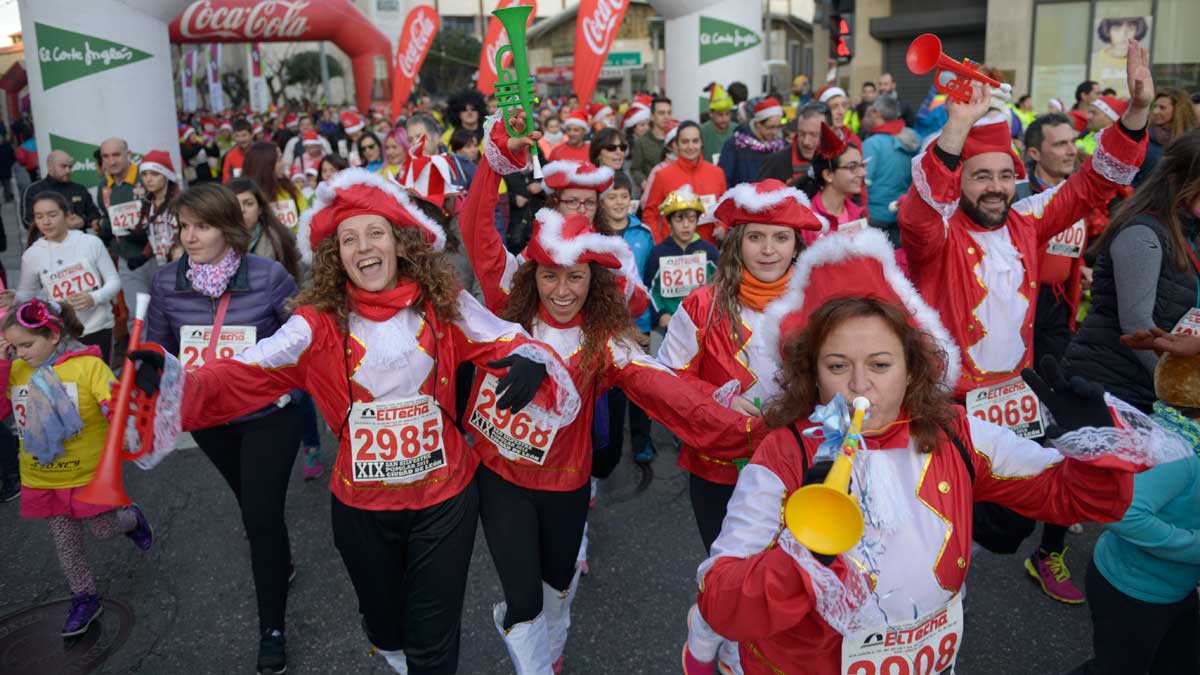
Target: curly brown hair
417,262
728,277
605,312
929,406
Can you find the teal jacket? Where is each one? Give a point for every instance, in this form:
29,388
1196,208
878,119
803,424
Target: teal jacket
1153,553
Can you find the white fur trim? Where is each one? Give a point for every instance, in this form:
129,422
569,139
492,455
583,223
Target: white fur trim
773,111
839,246
642,115
570,168
355,128
575,122
159,168
831,92
945,209
1103,107
327,192
750,199
566,252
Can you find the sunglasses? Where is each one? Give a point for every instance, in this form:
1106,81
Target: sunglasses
615,147
369,146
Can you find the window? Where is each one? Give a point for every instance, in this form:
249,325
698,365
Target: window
1176,51
1060,52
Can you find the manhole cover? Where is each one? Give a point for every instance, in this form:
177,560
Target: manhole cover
30,643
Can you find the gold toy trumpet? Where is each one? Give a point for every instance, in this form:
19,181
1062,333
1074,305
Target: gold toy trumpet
823,517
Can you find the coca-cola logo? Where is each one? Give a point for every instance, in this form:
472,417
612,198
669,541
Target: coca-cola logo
420,35
269,20
598,29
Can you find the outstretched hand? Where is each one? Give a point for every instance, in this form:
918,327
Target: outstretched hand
518,124
1074,403
1163,342
975,108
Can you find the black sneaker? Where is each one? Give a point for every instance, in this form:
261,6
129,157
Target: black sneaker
10,488
272,653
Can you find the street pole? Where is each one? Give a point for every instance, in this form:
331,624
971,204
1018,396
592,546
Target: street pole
769,84
325,74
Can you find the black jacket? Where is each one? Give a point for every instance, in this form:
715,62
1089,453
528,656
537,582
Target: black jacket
1096,351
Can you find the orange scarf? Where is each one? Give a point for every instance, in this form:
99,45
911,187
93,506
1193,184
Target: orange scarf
755,294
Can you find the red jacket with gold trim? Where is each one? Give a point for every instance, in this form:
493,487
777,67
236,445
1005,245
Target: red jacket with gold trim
756,592
984,282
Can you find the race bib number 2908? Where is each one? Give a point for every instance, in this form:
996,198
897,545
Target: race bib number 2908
926,646
396,441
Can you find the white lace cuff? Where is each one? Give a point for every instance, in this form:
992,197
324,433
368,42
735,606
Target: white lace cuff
945,209
566,398
1136,439
1109,166
494,155
167,418
837,601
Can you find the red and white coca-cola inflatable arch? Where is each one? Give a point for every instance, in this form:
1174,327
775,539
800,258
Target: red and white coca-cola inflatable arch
338,21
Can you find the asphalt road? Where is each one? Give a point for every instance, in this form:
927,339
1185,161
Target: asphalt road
193,606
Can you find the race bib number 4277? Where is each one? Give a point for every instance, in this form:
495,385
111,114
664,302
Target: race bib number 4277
124,217
396,441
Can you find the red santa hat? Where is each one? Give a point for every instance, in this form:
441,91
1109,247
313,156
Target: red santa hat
562,241
643,100
832,144
600,113
1079,121
635,116
352,122
567,174
209,124
159,162
859,263
993,133
577,118
257,129
427,177
828,92
768,202
226,125
291,121
1111,106
310,171
353,192
671,126
768,107
186,130
310,137
1057,104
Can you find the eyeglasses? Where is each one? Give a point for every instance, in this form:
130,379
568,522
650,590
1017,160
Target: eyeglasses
853,167
615,147
574,204
771,127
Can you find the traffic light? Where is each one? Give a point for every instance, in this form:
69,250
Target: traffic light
841,34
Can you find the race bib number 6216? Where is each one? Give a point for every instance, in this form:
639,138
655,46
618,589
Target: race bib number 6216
396,441
512,434
679,275
1009,404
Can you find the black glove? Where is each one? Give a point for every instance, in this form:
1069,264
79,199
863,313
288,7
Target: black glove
1074,404
148,367
520,384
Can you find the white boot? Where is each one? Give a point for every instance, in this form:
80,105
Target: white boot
395,659
556,605
528,643
729,659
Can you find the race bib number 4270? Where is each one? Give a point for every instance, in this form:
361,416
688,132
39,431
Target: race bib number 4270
396,441
1009,404
512,434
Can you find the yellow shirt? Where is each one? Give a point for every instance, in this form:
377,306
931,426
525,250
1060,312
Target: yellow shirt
288,209
93,383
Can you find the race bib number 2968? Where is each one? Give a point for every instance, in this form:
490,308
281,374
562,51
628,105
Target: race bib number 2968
514,435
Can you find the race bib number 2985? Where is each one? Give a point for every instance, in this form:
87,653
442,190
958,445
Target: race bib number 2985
396,441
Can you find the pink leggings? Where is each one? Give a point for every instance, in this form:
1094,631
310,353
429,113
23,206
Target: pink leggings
68,539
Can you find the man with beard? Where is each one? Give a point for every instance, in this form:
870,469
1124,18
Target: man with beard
974,254
791,164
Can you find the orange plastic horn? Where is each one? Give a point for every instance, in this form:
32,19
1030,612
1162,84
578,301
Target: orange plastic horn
952,78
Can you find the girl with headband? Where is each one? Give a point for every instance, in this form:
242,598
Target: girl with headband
60,392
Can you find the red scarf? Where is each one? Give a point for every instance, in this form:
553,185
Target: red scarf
890,128
549,320
383,305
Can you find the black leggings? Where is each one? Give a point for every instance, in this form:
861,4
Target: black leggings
103,340
533,536
255,458
409,570
709,501
1133,636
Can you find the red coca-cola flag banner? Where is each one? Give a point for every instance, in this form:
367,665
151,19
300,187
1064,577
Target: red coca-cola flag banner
338,21
420,27
596,25
497,38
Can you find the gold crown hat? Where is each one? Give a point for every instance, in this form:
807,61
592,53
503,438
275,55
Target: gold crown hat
1177,380
682,199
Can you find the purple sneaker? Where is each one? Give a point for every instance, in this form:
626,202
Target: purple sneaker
142,536
85,607
1050,570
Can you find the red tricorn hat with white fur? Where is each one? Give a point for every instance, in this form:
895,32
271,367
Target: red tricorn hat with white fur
768,202
354,192
566,174
992,133
859,263
563,241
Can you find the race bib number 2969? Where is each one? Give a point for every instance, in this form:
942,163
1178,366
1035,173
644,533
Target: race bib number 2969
1009,404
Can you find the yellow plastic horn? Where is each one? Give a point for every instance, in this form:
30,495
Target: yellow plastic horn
514,88
823,517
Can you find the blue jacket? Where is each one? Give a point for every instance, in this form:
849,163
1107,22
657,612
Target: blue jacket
1153,553
743,156
658,304
641,240
889,170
